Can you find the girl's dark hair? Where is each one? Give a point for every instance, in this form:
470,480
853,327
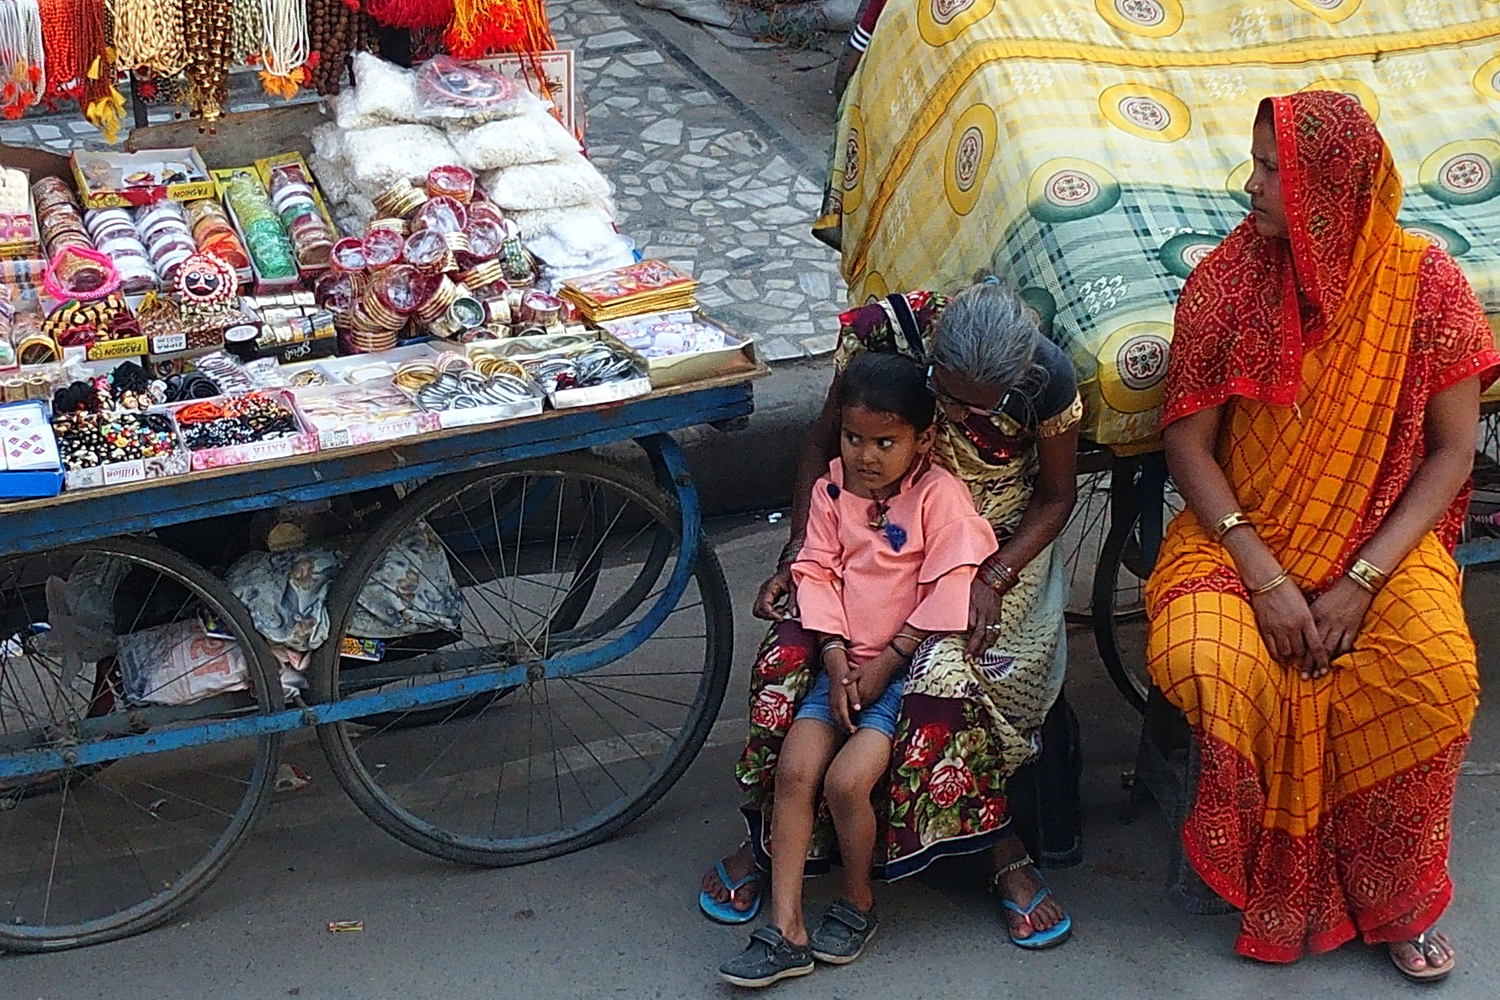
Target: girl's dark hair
888,383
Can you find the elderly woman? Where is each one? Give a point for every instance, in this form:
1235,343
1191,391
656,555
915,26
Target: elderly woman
1008,419
1321,413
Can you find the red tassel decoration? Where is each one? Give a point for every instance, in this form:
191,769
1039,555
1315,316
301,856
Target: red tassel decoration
416,14
484,27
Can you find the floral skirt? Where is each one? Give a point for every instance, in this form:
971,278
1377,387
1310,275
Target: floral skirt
965,726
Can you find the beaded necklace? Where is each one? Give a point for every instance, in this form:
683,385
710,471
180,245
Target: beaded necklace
246,41
80,63
149,35
206,31
22,59
286,47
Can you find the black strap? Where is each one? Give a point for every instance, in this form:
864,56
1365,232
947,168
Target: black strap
906,320
849,915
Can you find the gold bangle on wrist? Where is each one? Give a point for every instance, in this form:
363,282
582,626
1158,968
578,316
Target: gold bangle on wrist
1369,576
1227,523
1269,585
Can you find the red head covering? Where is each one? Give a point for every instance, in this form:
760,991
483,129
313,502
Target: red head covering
1239,328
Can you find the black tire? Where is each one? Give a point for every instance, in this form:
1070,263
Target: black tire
368,755
1140,505
99,887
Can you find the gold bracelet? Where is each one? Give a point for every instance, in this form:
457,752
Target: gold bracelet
1227,523
1367,575
1269,585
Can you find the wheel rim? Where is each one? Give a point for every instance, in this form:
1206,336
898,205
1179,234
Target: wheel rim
97,851
552,763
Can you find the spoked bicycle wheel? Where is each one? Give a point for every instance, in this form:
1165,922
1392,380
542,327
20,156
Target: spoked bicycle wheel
1079,543
1143,502
99,646
597,662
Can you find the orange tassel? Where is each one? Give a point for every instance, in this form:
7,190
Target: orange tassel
484,27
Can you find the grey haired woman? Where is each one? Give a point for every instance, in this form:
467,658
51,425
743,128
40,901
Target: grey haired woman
1008,427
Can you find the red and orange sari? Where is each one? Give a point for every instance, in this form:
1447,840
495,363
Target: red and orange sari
1323,805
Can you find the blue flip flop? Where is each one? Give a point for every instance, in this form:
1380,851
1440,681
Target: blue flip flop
725,913
1039,940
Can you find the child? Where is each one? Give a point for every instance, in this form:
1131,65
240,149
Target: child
891,549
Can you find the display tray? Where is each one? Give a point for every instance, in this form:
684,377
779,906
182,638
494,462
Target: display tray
98,195
302,443
137,470
526,348
345,415
737,354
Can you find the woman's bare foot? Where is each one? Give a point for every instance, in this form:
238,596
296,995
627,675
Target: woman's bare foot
1428,956
1020,886
738,865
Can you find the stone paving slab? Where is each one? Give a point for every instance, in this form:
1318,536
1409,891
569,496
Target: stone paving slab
698,180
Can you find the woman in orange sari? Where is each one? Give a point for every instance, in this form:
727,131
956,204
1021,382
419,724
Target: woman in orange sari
1321,414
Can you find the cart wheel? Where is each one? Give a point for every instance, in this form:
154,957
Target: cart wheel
560,753
510,506
1142,502
100,844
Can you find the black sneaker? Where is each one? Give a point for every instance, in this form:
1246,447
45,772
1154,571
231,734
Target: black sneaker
843,932
769,959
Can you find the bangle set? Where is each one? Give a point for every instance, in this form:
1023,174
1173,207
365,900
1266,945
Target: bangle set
998,576
836,642
1227,523
1369,576
1270,584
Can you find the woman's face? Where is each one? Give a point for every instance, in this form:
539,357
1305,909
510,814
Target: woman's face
1267,207
960,397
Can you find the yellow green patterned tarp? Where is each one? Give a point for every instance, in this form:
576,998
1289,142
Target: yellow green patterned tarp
1093,151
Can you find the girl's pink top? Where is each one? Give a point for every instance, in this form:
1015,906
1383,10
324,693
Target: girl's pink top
865,583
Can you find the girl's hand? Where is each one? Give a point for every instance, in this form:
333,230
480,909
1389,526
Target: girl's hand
1286,624
841,697
776,589
1338,615
984,618
868,681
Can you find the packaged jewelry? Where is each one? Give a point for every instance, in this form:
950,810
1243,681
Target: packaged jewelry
232,430
266,239
460,93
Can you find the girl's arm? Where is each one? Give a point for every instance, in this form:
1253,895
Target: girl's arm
1451,426
820,445
868,681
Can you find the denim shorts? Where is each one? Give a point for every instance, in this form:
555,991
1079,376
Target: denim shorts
880,716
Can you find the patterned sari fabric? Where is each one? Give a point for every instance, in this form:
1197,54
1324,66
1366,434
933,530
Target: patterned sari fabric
1323,805
965,725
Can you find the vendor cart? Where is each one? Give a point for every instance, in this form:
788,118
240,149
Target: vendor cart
569,679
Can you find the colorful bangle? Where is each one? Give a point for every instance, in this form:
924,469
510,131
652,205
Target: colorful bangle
1369,576
1228,523
998,576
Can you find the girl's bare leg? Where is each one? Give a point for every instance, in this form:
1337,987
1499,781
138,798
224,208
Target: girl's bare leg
804,758
860,765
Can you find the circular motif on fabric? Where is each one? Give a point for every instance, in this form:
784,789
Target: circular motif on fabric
1067,189
1133,366
941,21
1352,88
854,161
1332,11
1462,173
1487,79
1236,181
1149,18
971,146
1444,238
1145,112
1185,251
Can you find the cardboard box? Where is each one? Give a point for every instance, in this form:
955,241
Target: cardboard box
136,471
29,463
116,350
369,412
104,195
265,166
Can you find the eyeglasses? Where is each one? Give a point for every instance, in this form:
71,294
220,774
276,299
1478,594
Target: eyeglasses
948,400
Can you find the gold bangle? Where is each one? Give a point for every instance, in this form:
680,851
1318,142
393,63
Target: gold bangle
1227,523
1269,585
1367,575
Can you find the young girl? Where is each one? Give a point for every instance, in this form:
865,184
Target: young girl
892,547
